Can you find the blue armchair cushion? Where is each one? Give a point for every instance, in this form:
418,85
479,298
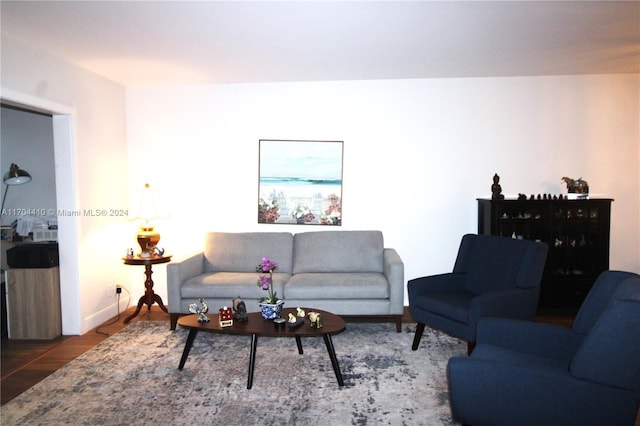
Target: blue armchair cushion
610,354
453,305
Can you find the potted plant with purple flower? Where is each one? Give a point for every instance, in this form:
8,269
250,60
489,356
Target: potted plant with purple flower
270,305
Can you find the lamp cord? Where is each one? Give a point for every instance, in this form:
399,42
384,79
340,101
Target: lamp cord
117,318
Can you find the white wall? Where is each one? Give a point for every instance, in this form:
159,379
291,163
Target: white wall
417,153
91,173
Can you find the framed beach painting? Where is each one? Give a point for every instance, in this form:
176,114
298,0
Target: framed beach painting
300,182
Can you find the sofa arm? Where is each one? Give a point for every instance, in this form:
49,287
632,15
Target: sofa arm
394,272
178,272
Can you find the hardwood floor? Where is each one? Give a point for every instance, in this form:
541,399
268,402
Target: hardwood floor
26,362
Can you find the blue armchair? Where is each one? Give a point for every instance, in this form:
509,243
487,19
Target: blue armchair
529,373
492,277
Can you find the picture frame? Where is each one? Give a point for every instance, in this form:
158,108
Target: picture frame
300,182
6,233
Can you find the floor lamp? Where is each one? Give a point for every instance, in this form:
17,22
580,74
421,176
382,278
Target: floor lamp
15,176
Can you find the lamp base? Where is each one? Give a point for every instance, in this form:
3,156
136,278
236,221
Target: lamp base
148,239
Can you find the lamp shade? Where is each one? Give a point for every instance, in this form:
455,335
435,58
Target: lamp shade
16,176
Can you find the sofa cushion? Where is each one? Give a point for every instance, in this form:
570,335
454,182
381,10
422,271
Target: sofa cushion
230,285
242,252
362,285
338,251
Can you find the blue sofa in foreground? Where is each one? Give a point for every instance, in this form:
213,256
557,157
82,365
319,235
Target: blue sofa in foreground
526,373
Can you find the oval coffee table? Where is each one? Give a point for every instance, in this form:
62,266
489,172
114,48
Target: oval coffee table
256,326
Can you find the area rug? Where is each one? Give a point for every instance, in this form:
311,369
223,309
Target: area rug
132,378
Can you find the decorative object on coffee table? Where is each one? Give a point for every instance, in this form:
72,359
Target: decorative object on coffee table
270,305
271,310
294,321
239,309
316,319
201,309
225,317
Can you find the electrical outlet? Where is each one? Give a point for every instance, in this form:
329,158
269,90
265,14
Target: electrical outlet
118,289
109,291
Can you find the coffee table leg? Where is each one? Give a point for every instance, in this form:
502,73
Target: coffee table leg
252,360
187,346
334,359
299,343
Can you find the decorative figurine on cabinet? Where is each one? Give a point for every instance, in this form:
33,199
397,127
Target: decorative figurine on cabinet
496,189
239,310
577,186
201,310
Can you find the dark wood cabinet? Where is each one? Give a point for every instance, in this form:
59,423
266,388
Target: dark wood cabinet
577,232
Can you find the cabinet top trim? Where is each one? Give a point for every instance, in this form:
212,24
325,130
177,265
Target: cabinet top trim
544,201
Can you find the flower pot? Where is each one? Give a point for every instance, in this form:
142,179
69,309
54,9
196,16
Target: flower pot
271,311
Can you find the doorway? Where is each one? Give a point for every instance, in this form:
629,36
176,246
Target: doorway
63,118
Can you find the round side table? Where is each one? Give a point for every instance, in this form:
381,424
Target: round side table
150,297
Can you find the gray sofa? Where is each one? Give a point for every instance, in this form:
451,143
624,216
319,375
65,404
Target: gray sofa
349,273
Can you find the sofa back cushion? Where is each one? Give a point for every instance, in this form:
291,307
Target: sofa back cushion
338,251
242,252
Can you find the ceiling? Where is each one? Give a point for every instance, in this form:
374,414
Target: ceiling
207,42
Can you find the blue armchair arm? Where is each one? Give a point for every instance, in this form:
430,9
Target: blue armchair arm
546,340
440,283
517,303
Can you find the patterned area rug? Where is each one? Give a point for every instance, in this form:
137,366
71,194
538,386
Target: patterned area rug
132,378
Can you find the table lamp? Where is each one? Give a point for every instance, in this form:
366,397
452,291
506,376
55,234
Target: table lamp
147,237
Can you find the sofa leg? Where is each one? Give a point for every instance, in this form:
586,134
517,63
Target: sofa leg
398,323
418,336
173,318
